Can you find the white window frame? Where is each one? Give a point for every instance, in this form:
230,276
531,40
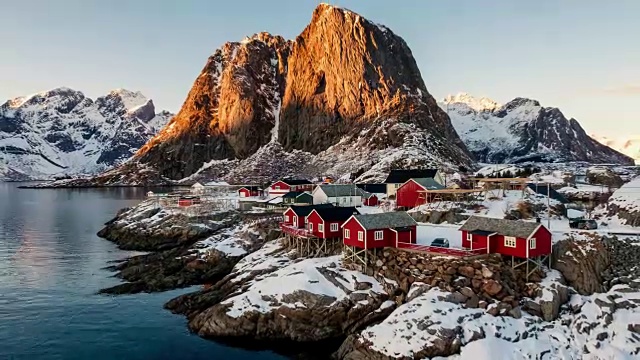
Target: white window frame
320,227
295,220
286,218
242,194
277,187
510,242
378,235
469,236
360,235
310,226
334,227
532,243
347,233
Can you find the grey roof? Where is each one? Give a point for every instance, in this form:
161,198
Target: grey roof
516,228
388,220
335,190
428,183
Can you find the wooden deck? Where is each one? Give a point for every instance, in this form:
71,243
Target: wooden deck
294,231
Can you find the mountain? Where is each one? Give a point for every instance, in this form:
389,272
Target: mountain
523,130
627,146
345,96
62,132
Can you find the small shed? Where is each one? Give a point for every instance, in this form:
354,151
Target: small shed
369,199
249,191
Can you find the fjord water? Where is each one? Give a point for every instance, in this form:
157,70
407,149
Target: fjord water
51,266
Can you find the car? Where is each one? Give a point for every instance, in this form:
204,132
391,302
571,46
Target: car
440,242
584,224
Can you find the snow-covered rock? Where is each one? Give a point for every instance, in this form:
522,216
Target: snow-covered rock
523,130
62,132
625,203
278,299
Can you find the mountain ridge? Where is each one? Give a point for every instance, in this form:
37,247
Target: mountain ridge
62,132
523,130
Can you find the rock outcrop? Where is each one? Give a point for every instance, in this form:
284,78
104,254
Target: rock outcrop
582,263
523,130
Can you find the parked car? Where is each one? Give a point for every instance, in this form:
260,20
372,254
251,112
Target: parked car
584,224
440,242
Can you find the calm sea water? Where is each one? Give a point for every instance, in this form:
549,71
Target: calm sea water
50,270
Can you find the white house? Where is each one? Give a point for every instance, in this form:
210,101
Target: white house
338,195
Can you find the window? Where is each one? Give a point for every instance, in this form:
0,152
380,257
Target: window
286,218
243,194
360,235
306,221
277,187
321,227
334,227
396,185
310,226
532,243
509,241
346,233
469,237
378,235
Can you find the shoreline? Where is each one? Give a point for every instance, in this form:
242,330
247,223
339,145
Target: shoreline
255,291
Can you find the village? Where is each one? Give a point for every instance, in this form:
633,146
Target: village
493,211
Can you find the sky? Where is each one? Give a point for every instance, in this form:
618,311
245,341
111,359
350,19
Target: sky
582,56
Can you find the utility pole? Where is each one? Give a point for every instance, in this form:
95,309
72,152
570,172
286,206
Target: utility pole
548,206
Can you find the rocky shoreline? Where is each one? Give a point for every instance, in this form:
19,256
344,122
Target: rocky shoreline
254,288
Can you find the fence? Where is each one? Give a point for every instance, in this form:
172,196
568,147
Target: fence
295,231
441,250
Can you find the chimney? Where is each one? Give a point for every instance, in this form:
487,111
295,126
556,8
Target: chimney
538,220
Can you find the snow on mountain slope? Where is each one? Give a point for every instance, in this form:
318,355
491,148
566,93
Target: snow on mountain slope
628,146
62,132
523,130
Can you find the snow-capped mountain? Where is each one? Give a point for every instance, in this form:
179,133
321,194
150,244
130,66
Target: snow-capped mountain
629,146
523,130
62,132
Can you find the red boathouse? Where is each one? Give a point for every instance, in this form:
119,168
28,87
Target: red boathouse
379,230
326,223
529,242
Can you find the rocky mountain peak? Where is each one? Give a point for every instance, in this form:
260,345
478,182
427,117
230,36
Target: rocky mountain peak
360,72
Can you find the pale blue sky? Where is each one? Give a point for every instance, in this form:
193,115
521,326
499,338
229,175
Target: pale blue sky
582,56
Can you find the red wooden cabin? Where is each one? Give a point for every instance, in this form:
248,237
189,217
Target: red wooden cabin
412,193
516,238
296,216
282,187
249,191
379,230
326,222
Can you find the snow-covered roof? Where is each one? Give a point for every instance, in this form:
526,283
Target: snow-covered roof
516,228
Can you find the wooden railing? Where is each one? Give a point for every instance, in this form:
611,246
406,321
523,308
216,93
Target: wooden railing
289,229
441,250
